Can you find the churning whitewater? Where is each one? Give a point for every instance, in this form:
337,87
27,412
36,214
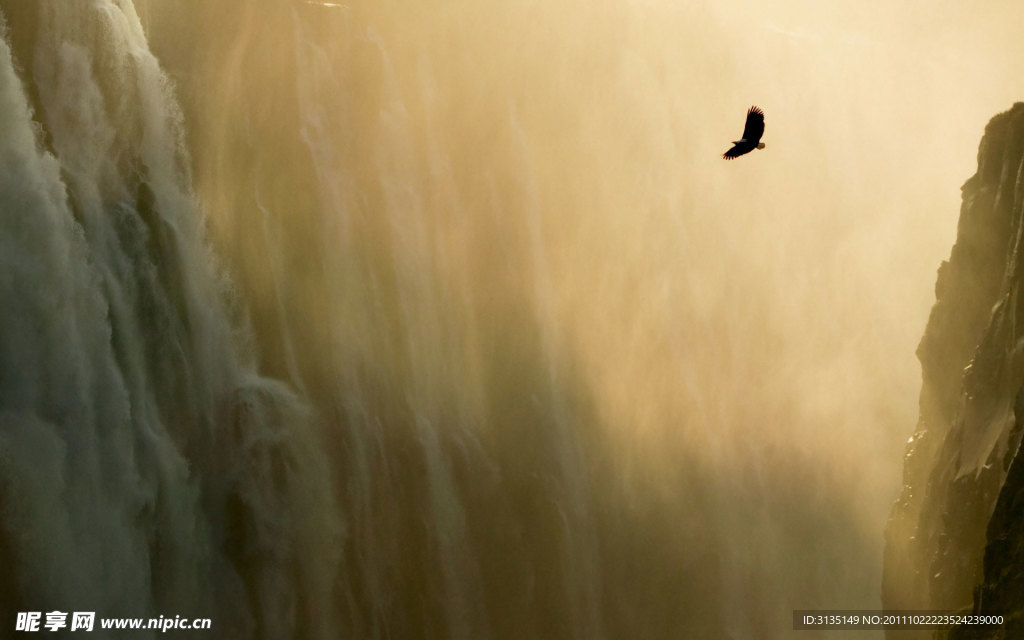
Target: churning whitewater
145,468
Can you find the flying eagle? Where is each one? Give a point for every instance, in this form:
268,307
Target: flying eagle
752,132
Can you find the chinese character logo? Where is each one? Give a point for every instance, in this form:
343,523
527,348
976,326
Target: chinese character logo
28,621
56,620
82,620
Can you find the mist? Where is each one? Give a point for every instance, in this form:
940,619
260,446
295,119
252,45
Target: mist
473,333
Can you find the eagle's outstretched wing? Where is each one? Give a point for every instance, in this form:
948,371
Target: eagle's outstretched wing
738,149
752,132
754,128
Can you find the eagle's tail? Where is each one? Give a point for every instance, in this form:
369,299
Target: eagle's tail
760,145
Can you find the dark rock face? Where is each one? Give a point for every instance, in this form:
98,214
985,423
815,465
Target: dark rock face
955,539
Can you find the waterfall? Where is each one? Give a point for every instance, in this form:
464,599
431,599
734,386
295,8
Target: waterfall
391,321
147,467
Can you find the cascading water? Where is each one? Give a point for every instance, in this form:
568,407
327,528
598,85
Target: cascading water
364,320
146,467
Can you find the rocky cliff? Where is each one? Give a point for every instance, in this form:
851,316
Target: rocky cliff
955,539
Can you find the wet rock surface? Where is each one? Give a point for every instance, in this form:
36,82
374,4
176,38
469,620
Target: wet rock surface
955,538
